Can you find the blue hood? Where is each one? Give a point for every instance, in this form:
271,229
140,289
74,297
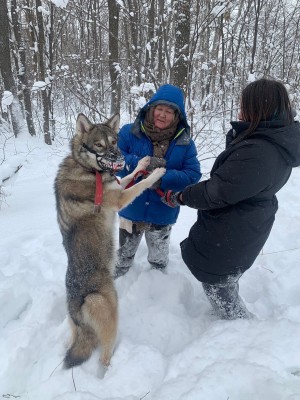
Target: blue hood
169,95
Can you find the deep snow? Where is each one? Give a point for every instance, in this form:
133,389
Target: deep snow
170,346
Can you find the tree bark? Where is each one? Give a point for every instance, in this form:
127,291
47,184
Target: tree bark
114,65
42,72
6,70
22,73
182,43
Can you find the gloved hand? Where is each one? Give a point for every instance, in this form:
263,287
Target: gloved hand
156,162
171,199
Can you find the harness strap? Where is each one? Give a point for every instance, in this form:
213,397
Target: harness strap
99,188
88,148
140,173
110,161
160,192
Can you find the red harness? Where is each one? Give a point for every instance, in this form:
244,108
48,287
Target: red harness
99,187
138,175
99,191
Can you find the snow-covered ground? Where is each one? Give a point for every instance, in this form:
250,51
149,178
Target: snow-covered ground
169,346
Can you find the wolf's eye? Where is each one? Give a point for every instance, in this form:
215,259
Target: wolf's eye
113,142
98,145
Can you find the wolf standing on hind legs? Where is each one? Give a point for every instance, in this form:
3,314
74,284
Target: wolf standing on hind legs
87,199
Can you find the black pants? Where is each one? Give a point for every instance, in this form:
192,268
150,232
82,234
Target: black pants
225,300
157,239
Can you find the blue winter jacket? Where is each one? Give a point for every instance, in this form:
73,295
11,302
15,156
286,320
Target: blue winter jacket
183,167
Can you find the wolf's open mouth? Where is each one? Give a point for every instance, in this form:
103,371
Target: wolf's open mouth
110,163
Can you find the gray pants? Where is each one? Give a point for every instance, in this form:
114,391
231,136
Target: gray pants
157,239
225,300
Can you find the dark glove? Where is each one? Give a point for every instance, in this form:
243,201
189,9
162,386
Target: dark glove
156,162
171,199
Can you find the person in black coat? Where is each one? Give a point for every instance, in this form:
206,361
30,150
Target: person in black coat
237,205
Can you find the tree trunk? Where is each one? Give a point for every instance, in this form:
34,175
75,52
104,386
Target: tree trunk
42,72
258,7
6,70
182,40
51,68
160,60
114,65
150,35
135,36
22,74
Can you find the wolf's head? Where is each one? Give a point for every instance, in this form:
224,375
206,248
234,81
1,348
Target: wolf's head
95,145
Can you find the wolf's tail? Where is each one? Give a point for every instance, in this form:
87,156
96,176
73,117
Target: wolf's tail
98,325
84,342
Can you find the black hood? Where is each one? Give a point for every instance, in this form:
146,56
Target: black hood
285,136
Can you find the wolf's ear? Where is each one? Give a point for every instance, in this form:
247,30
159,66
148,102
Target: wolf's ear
114,122
83,124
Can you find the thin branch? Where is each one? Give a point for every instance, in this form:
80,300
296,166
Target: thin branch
144,395
73,380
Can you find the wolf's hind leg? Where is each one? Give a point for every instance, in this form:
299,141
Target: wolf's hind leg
100,311
84,342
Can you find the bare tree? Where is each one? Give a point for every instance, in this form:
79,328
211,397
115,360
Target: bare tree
114,65
258,4
150,45
93,53
21,67
6,69
42,72
180,70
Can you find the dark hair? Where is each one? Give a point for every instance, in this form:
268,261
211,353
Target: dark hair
265,100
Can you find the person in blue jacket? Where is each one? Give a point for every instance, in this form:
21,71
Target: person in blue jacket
160,131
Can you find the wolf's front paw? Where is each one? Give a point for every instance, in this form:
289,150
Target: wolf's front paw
143,163
157,174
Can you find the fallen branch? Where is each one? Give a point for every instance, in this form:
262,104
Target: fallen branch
14,172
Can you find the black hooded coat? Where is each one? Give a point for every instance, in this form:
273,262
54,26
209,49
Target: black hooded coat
237,205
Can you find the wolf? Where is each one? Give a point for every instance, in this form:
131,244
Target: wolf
88,196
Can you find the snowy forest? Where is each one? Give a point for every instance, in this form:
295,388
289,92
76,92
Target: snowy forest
62,57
